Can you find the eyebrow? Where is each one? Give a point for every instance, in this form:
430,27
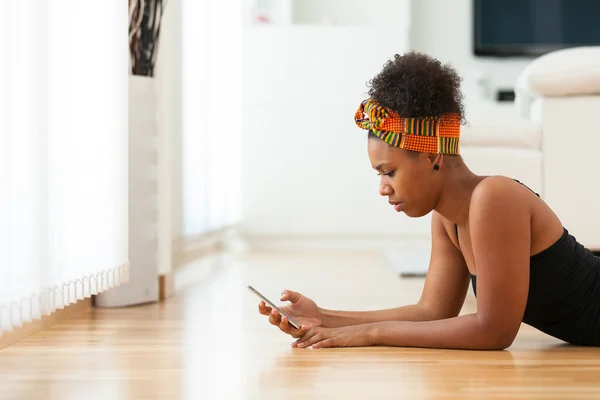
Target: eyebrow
381,164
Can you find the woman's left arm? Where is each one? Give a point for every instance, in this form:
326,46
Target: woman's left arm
499,221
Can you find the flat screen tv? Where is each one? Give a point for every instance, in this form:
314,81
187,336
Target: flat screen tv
534,27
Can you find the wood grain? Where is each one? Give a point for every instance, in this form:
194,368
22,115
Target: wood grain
208,342
45,322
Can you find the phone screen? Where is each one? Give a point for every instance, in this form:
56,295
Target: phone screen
292,321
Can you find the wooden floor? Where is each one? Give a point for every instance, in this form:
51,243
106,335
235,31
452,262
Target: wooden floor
210,343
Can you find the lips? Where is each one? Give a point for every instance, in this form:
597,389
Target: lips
397,205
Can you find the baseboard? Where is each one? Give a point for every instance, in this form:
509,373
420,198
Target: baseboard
286,243
166,286
46,322
190,248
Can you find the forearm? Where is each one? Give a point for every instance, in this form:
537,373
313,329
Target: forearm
463,332
337,319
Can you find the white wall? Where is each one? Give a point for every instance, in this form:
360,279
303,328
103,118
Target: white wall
391,13
305,163
443,29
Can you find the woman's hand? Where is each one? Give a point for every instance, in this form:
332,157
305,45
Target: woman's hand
348,336
302,309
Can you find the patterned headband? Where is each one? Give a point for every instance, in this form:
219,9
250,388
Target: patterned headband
435,135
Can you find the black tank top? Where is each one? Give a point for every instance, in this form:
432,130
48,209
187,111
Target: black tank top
564,292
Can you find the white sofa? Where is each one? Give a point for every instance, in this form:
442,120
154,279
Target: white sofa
561,93
499,143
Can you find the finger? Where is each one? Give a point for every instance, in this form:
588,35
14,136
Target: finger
297,333
288,295
331,342
298,338
288,328
264,309
274,317
315,339
308,336
284,325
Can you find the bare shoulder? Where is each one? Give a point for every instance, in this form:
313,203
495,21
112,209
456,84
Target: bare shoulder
500,224
500,204
503,203
499,192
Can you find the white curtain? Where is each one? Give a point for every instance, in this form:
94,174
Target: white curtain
211,114
63,154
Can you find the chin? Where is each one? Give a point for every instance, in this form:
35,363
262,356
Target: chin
415,213
411,215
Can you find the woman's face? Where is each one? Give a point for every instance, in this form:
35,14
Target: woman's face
408,179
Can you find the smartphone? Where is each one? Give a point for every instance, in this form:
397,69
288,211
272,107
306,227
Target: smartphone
291,320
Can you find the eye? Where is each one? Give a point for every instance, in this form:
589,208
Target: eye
390,174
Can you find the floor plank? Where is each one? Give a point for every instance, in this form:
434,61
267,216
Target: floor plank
209,342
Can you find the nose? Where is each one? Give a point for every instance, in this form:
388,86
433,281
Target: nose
385,190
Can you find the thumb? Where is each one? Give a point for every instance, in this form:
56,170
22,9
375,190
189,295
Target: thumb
289,295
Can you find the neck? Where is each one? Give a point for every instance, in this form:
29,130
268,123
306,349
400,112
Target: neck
457,188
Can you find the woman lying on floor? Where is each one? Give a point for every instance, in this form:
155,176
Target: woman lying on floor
492,231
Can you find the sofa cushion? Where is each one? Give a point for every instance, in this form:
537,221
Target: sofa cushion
511,133
567,72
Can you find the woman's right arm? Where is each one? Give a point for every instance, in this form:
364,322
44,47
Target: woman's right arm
443,294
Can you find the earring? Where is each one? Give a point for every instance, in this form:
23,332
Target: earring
436,167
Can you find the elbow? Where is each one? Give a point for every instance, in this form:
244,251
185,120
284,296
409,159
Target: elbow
501,344
497,336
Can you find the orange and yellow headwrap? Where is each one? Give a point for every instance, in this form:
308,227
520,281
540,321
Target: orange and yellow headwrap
435,135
